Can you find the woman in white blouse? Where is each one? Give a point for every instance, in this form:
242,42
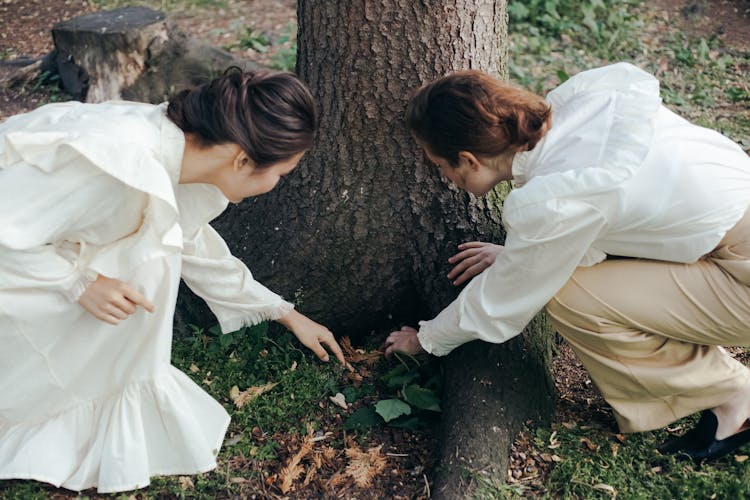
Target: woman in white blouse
602,168
103,207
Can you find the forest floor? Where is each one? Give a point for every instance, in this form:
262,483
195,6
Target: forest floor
700,50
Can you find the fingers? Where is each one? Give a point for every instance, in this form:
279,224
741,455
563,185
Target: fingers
318,350
108,318
390,349
333,346
114,310
137,298
404,340
470,273
468,268
472,244
462,266
125,305
469,252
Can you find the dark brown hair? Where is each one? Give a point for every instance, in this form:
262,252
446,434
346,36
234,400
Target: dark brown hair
471,111
270,115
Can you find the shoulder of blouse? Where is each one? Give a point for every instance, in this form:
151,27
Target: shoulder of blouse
603,127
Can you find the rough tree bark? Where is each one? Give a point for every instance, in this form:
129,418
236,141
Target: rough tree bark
359,235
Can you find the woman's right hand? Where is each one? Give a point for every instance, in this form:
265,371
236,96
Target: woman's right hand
112,300
473,258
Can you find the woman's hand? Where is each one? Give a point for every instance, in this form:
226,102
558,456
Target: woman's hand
404,340
112,300
473,258
313,336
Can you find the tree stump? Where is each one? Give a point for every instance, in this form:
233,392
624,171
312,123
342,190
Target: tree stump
132,53
111,47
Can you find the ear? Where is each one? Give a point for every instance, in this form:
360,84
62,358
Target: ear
242,162
467,158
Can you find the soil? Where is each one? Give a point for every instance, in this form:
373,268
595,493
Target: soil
25,37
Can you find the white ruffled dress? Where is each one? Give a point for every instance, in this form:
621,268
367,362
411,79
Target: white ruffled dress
89,189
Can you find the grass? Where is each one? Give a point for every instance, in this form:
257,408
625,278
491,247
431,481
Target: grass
701,79
595,463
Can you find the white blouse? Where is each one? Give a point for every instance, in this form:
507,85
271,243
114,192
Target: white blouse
93,189
617,174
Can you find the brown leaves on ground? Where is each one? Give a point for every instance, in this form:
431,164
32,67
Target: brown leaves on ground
359,355
364,465
289,474
241,398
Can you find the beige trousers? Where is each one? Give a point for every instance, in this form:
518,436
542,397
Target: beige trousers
649,332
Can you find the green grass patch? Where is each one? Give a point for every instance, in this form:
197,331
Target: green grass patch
594,463
701,79
252,357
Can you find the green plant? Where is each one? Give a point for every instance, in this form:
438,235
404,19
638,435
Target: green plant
6,53
412,397
285,58
258,42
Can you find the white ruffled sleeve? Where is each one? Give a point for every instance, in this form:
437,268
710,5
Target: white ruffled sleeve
44,266
226,284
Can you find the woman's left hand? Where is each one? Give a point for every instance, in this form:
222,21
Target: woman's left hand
313,336
404,340
473,258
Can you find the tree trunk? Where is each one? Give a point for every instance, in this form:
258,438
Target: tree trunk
360,234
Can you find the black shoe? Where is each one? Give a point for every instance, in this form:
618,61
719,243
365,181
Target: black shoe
700,443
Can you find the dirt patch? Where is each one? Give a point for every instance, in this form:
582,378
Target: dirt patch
727,20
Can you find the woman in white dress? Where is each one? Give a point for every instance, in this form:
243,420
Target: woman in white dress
602,168
103,207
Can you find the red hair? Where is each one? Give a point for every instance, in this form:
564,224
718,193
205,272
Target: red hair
471,111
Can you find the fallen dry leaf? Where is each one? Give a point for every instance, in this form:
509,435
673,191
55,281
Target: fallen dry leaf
293,470
364,465
358,355
186,483
590,445
241,398
339,400
740,458
605,487
553,442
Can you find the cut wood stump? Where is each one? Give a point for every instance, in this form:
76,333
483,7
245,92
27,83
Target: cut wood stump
132,53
